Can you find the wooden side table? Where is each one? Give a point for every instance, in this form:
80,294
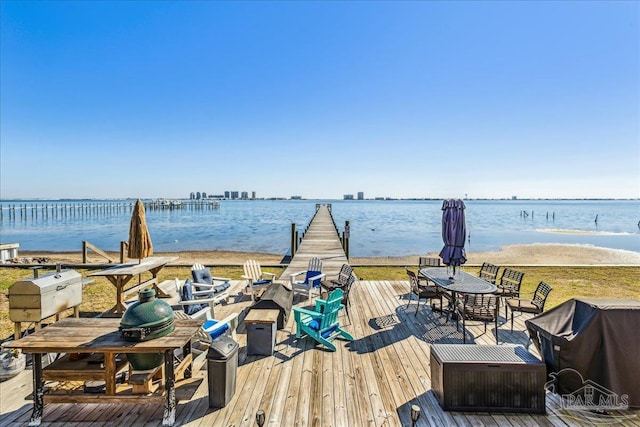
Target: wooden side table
261,331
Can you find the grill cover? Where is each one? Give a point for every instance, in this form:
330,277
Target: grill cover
276,297
598,338
36,298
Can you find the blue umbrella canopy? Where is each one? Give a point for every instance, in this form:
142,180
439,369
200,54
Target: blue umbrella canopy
454,233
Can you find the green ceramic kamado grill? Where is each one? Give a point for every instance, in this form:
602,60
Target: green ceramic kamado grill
146,319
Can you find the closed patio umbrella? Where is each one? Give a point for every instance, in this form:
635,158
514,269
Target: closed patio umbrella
140,245
454,232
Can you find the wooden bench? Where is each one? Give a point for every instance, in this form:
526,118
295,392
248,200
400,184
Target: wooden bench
144,382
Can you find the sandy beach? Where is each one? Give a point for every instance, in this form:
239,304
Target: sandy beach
538,254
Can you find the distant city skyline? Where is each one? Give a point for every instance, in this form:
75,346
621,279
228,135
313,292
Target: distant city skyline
320,99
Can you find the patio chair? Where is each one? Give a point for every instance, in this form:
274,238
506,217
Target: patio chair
534,305
313,276
428,292
255,277
196,302
346,278
480,307
424,262
322,323
351,280
509,286
489,272
202,275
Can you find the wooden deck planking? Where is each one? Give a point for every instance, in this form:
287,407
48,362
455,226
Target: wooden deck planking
411,353
373,381
394,361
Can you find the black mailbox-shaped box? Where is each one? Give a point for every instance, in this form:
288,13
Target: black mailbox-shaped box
276,297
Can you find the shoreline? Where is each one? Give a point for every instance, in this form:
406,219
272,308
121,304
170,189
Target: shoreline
529,254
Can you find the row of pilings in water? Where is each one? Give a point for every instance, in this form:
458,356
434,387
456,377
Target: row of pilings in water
53,210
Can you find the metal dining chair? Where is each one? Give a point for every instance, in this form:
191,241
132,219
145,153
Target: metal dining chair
509,286
534,305
428,292
489,272
478,307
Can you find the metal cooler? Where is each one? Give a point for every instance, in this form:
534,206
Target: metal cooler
36,298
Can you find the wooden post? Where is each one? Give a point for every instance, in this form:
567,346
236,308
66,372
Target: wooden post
123,246
293,239
84,251
347,235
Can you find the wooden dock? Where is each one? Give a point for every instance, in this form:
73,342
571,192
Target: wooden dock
320,240
372,381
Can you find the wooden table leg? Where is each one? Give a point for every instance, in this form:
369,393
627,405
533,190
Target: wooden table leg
38,390
170,389
110,374
159,292
119,282
186,351
17,330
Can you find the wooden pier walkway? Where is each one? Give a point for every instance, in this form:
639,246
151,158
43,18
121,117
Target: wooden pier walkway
320,240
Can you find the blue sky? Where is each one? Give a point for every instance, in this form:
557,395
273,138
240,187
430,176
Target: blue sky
320,99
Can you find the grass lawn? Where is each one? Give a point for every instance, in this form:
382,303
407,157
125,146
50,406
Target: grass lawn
567,282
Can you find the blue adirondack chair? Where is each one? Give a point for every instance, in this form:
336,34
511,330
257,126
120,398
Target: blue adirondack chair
322,324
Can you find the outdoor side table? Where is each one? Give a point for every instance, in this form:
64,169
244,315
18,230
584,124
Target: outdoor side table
261,331
495,378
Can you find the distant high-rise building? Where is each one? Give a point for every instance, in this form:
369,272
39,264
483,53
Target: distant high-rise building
360,195
253,194
234,195
204,195
348,197
198,195
227,194
244,195
192,195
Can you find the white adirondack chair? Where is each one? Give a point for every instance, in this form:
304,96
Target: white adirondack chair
310,283
255,277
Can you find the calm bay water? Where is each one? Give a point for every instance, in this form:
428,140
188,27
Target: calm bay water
378,228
